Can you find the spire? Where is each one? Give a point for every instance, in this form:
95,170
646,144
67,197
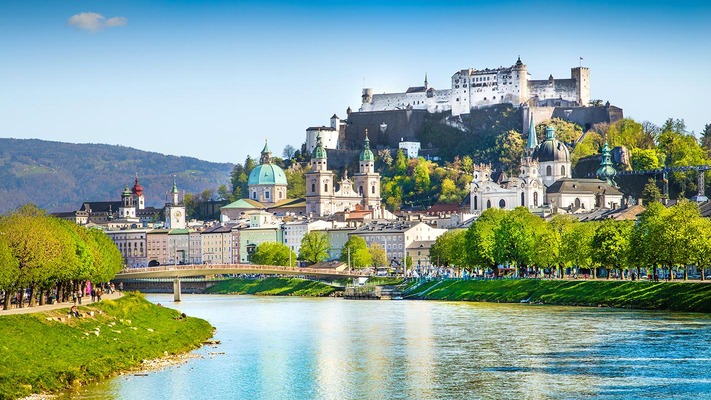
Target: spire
175,186
319,151
606,172
532,135
366,154
426,85
266,157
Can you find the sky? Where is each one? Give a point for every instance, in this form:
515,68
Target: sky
214,79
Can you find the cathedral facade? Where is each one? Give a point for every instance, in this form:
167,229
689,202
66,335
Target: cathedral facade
323,198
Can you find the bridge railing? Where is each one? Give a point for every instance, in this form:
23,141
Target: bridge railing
236,267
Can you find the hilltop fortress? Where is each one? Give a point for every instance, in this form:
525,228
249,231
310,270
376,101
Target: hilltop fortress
473,88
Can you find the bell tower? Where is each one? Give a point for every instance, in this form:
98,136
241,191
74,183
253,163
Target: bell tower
367,181
319,183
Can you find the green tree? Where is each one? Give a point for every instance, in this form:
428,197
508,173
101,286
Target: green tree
225,193
509,148
610,244
9,267
577,244
272,253
448,248
651,192
288,152
629,133
421,176
400,163
449,194
567,132
358,250
296,181
480,242
377,255
706,139
645,159
314,247
515,238
590,145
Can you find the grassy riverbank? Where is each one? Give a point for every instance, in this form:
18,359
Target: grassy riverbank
46,351
272,287
676,296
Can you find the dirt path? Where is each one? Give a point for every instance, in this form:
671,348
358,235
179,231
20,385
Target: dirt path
47,307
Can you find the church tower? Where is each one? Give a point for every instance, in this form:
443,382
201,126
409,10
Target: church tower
174,211
138,198
319,183
367,181
128,208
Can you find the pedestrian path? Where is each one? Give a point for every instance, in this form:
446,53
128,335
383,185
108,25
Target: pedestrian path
86,300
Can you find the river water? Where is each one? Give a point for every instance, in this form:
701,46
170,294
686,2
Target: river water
301,348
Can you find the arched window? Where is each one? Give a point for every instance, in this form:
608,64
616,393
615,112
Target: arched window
562,170
523,198
254,195
313,188
502,203
360,190
325,187
488,204
281,195
535,199
372,189
548,171
577,202
476,205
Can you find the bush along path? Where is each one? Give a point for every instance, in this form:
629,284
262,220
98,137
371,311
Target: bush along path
273,287
50,351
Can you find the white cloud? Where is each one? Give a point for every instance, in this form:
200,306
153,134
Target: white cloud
94,22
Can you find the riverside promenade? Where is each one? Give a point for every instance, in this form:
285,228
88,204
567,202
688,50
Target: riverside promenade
86,300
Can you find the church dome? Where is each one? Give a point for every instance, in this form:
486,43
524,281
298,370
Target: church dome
551,149
367,154
319,152
267,174
137,189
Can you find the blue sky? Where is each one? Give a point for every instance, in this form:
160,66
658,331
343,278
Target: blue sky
213,79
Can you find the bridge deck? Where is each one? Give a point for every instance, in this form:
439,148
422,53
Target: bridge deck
173,271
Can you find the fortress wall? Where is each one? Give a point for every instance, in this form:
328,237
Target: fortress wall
558,88
400,124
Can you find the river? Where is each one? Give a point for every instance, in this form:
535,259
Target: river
302,348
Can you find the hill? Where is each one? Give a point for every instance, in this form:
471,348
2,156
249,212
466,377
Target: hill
60,176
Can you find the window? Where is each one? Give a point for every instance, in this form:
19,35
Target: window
522,199
476,205
562,170
488,204
266,194
325,187
535,199
577,202
548,171
254,195
360,190
372,189
502,203
313,187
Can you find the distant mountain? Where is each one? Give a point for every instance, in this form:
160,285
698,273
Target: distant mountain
60,176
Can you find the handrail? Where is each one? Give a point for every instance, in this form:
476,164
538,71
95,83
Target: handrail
253,267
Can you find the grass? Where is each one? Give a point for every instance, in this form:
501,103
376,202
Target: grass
272,287
676,296
41,354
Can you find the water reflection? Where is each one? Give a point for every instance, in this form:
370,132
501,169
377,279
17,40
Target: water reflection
292,348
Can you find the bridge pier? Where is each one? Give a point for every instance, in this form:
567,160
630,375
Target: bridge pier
176,289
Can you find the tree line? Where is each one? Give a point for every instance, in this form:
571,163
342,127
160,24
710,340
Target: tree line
315,247
518,242
45,254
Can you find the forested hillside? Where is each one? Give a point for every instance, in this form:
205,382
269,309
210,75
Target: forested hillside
60,176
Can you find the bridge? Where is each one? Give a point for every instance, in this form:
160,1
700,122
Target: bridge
179,271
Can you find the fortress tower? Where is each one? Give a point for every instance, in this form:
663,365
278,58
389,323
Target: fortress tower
581,75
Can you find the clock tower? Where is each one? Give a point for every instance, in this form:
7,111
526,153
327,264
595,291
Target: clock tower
175,211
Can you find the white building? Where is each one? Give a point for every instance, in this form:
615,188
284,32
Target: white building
473,88
294,232
329,134
216,245
411,149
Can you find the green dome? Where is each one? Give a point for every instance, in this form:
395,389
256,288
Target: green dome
366,154
267,174
319,151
